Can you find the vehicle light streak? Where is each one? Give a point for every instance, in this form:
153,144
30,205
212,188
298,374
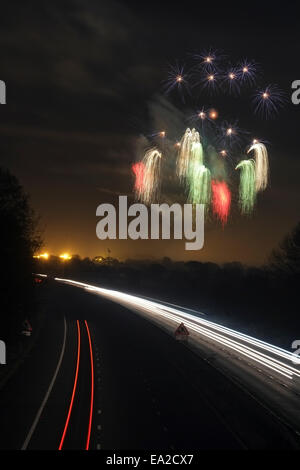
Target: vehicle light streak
242,349
232,339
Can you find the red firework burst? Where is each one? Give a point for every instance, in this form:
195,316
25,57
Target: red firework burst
221,200
139,170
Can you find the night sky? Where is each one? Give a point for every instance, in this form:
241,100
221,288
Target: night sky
83,85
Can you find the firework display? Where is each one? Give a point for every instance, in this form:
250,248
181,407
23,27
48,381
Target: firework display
139,171
148,176
268,101
247,189
196,153
176,80
209,150
188,146
199,184
261,165
247,72
221,200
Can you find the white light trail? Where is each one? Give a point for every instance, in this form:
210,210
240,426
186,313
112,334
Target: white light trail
245,345
261,165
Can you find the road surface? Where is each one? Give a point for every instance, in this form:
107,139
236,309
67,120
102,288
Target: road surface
107,374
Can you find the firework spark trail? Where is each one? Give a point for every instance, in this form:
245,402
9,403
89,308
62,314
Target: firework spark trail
217,165
231,81
269,101
188,147
209,60
196,155
221,200
184,154
247,71
139,171
211,82
247,190
261,165
205,119
231,136
151,176
177,79
199,184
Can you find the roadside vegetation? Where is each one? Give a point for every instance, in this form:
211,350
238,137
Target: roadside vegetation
19,240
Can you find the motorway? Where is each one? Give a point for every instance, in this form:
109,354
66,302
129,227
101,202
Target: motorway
107,373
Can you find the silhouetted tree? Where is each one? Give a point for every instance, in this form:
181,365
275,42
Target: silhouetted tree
18,242
287,257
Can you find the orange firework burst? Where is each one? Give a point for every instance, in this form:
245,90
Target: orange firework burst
213,114
221,200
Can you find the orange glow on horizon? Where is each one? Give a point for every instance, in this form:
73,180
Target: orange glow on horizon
65,256
42,255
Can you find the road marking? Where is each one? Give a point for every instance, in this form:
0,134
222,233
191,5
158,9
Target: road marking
74,389
38,415
92,387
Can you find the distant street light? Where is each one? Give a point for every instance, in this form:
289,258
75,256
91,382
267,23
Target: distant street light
65,257
42,255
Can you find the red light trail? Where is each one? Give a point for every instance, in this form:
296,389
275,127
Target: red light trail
74,389
139,170
92,388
